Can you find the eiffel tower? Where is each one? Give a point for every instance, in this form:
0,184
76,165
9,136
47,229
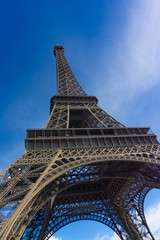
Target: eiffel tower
83,165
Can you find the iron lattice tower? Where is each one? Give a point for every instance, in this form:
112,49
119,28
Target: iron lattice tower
83,164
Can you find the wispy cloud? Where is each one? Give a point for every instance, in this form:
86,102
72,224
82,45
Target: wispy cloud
102,237
54,238
143,46
153,219
114,237
106,237
135,67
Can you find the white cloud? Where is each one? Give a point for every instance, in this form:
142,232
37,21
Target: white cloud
135,66
107,237
99,237
114,237
54,238
143,45
153,219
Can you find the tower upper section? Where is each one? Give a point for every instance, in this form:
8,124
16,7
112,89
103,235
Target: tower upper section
67,84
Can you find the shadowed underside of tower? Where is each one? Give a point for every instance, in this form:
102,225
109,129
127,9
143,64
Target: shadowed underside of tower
83,165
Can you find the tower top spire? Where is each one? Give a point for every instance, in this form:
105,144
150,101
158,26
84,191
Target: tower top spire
67,84
57,47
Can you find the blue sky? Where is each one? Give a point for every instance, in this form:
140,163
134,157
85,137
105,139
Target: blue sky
113,48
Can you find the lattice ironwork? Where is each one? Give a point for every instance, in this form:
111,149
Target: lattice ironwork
83,165
67,83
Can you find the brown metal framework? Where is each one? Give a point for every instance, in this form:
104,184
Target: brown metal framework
83,165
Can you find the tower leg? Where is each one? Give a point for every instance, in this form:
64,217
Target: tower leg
132,211
46,221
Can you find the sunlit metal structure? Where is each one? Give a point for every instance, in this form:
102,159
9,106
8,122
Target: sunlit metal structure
83,165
